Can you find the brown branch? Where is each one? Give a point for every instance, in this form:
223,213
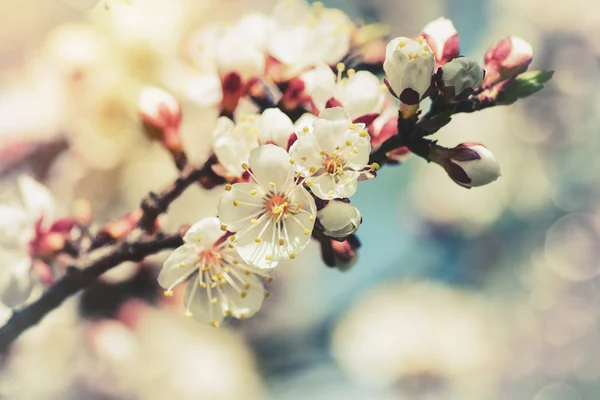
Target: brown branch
77,278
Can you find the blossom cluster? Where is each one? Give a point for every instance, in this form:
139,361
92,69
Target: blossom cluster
304,117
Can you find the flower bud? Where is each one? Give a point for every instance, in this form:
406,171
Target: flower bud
161,115
506,59
409,66
339,219
442,37
469,164
459,77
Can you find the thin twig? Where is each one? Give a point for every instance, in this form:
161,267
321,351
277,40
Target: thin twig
77,278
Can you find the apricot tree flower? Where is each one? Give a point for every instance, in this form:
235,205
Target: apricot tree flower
332,155
19,221
219,283
272,217
233,142
409,66
361,93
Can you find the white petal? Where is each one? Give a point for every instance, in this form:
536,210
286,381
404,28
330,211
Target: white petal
332,36
16,284
320,84
305,153
347,184
305,121
329,130
204,232
239,217
198,302
361,94
264,254
276,127
418,74
247,306
16,227
288,12
172,273
357,160
36,197
324,187
328,187
271,164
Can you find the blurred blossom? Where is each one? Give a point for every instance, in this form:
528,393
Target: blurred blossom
422,339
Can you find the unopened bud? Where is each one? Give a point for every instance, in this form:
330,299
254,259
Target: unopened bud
161,115
442,37
459,77
507,59
339,219
409,66
468,164
341,255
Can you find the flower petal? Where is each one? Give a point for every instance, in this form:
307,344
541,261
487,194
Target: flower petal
16,284
37,198
243,305
271,164
204,232
199,301
238,206
320,84
361,94
276,127
264,253
305,154
330,128
178,266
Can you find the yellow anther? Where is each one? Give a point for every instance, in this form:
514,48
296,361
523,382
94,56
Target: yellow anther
267,294
303,158
247,271
291,161
246,286
339,170
311,218
254,221
203,285
292,256
272,184
223,227
243,294
213,285
375,166
281,242
312,170
228,313
298,207
181,265
268,257
363,134
402,43
214,324
253,192
245,166
305,129
426,48
322,153
218,256
232,238
214,278
242,316
309,183
236,203
306,231
341,67
231,246
269,278
258,240
199,239
331,193
226,270
351,72
228,187
169,293
188,313
213,300
235,261
355,150
223,282
286,216
420,40
348,142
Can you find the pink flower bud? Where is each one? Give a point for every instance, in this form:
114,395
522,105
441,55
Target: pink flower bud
161,115
510,57
442,37
469,164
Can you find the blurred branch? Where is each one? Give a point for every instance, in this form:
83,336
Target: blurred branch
77,278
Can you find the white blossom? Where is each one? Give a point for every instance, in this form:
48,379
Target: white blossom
305,35
273,217
18,220
332,155
339,219
409,65
507,58
471,165
361,93
460,76
233,142
220,283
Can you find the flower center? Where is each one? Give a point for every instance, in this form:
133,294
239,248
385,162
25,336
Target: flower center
333,164
210,257
277,205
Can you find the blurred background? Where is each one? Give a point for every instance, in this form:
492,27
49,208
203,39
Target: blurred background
484,294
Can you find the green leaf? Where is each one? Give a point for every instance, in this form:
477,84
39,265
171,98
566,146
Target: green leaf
522,86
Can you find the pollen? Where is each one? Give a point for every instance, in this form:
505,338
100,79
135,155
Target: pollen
272,184
267,294
312,170
223,227
235,262
362,134
247,271
199,239
307,231
402,44
341,67
305,129
181,265
214,324
203,285
245,166
291,161
253,192
268,257
281,242
309,183
258,240
351,72
246,286
292,256
243,294
228,187
420,40
254,221
188,313
213,300
269,278
303,158
228,313
348,142
236,203
168,293
375,166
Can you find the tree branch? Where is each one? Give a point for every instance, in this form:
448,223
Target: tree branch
77,278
